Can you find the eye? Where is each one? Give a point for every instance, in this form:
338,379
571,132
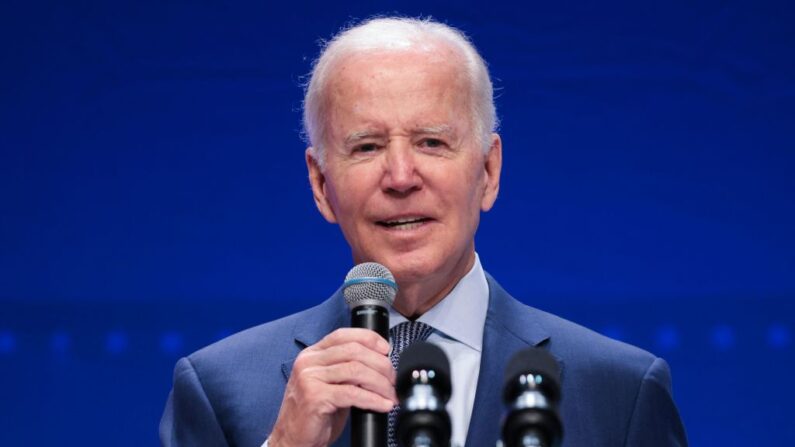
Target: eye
367,147
432,143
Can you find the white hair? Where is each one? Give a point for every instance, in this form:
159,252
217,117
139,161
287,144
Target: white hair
397,34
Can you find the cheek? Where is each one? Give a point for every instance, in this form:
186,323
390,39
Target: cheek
469,195
348,194
469,183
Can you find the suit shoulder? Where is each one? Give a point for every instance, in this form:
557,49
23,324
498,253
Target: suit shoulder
581,347
265,342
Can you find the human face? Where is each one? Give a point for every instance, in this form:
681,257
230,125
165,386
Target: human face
405,176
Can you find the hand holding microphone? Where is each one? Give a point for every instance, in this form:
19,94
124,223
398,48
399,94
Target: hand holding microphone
348,368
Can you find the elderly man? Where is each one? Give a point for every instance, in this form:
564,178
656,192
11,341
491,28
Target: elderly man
403,157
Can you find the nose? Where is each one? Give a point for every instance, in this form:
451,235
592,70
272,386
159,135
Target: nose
400,170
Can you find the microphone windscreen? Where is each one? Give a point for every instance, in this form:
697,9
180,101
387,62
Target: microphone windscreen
535,361
419,356
369,283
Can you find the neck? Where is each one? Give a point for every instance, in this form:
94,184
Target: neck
417,297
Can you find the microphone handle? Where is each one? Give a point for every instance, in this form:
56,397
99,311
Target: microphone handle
368,428
373,317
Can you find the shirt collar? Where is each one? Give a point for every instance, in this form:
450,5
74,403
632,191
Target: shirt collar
461,314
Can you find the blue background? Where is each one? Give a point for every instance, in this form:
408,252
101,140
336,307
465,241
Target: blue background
154,196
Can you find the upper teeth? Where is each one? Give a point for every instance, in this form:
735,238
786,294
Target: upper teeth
404,220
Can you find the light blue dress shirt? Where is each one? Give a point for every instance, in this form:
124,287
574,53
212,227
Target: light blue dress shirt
458,321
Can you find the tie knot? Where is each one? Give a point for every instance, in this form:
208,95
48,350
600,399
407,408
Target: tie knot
404,334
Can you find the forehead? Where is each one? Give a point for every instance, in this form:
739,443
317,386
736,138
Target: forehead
399,86
409,67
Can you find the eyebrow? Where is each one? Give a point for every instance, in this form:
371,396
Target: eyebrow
443,129
355,137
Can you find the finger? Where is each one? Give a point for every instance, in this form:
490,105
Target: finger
355,373
347,396
364,337
348,352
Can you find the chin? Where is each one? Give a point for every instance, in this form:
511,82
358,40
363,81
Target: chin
413,267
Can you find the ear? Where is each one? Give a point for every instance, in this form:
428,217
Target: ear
493,168
318,182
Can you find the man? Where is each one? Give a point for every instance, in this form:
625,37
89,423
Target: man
400,116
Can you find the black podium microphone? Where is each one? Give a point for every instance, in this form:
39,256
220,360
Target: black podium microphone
423,387
369,290
532,393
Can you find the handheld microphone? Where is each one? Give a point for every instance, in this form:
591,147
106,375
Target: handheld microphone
423,387
369,290
532,394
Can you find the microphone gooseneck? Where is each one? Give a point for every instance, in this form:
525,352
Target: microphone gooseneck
423,387
532,392
369,290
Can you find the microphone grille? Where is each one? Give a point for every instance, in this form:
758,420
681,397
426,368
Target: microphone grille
427,356
533,361
369,283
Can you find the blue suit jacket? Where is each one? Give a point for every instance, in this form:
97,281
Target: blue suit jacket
613,394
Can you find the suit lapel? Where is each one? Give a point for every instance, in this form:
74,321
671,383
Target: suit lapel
315,324
509,327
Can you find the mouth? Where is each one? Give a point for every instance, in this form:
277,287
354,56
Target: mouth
404,223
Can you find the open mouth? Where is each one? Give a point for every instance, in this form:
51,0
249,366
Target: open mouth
406,223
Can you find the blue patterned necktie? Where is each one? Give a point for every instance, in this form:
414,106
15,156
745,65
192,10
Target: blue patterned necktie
403,335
